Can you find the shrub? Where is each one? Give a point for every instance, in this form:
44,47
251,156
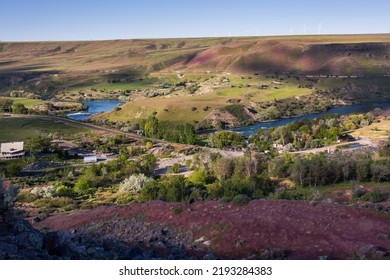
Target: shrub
86,184
173,188
358,191
175,168
26,197
290,195
14,169
124,199
376,196
149,191
240,199
226,199
148,145
177,210
56,202
64,191
200,177
7,196
44,192
133,185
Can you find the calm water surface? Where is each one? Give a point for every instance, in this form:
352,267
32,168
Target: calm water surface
94,107
343,110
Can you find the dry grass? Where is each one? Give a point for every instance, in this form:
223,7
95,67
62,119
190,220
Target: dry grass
115,55
374,131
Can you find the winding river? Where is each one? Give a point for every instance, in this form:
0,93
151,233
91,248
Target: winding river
343,110
99,106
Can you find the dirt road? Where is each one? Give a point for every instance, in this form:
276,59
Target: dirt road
364,141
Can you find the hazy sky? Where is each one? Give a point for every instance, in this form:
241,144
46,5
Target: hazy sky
44,20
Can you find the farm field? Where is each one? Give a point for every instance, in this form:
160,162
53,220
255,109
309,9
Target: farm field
27,102
19,129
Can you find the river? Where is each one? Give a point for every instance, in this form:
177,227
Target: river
343,110
94,107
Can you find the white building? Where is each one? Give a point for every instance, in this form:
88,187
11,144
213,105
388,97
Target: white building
90,159
11,150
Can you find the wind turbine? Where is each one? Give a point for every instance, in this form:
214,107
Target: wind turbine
304,29
291,30
319,27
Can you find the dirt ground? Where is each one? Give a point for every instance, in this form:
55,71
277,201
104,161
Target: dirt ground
306,231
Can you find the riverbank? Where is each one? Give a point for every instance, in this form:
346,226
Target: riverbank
247,131
94,107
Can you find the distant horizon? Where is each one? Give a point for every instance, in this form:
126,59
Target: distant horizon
101,20
200,37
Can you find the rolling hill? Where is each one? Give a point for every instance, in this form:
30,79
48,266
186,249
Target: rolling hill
67,63
204,75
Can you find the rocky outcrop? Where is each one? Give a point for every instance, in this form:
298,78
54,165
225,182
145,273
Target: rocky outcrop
20,241
371,252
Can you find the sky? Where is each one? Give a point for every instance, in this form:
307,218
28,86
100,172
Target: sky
44,20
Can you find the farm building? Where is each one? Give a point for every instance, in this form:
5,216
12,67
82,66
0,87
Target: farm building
90,159
11,150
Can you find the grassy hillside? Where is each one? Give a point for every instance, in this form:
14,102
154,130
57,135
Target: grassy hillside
184,80
53,65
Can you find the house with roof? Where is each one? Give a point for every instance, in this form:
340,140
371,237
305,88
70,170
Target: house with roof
12,150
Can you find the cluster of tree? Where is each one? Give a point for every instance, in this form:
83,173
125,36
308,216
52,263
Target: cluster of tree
102,175
321,169
7,106
238,111
294,107
223,139
213,177
109,145
39,143
308,134
182,133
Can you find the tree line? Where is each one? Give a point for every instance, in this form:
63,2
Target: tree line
182,133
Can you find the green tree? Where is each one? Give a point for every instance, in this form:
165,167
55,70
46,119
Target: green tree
151,127
223,139
19,108
148,163
299,171
5,104
223,168
200,177
173,188
175,168
86,184
14,169
187,133
38,143
150,191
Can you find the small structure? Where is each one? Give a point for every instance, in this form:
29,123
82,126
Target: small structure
12,150
90,159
